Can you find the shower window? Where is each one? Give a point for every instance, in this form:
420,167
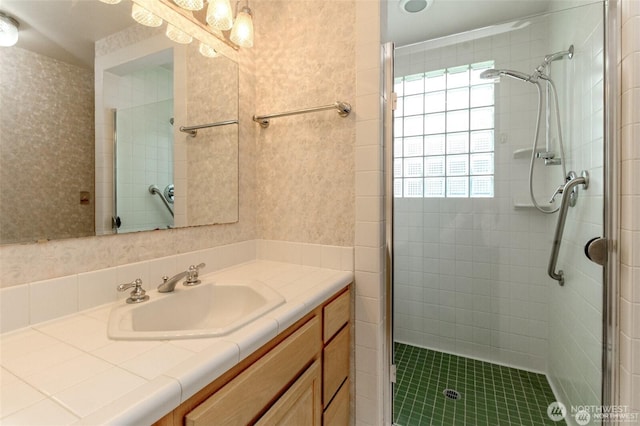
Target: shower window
444,133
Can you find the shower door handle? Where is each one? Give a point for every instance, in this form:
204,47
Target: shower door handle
596,250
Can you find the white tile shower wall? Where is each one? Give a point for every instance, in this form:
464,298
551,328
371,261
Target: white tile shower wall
125,91
470,274
629,302
145,137
575,310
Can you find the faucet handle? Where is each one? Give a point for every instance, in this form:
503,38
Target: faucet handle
559,191
192,275
138,294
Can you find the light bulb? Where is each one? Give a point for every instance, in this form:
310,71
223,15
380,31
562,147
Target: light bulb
190,4
242,32
178,35
111,1
8,30
144,17
219,14
207,51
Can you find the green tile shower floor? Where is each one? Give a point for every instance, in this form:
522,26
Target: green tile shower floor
490,394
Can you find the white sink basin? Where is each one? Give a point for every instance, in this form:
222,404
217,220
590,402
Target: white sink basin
207,310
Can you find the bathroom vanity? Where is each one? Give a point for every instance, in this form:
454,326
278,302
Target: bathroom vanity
301,377
292,364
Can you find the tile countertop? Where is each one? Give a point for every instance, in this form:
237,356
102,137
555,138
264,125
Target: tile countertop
67,371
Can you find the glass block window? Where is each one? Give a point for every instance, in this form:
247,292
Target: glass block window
444,133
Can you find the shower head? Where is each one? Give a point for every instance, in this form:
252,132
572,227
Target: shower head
559,55
493,73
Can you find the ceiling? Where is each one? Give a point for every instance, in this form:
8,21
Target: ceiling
66,29
446,17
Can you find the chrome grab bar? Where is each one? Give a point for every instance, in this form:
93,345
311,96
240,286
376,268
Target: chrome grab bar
569,195
153,189
343,108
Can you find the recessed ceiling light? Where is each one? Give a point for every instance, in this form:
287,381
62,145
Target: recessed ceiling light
414,6
8,30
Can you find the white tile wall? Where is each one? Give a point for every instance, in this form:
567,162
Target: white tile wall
117,91
372,403
575,310
40,301
144,100
470,274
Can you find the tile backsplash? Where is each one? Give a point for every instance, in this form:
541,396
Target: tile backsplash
39,301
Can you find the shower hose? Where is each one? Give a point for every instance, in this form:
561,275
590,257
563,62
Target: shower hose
535,142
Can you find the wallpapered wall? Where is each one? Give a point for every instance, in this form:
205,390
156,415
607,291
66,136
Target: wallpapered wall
212,156
296,178
305,190
24,263
46,148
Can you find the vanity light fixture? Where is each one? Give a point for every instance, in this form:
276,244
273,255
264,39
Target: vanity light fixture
185,25
144,17
8,30
178,35
207,51
242,31
219,14
190,4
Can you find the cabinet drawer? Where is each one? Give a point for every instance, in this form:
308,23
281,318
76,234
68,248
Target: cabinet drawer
241,400
336,364
336,314
337,413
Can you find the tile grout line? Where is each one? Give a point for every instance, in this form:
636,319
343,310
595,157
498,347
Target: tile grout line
481,384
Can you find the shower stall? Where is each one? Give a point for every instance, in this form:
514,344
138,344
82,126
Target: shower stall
498,184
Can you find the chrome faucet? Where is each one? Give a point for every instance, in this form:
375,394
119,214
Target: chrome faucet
191,274
138,294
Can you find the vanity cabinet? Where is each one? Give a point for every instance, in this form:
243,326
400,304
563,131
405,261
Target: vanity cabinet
301,377
336,360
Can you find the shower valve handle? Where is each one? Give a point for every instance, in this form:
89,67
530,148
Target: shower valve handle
559,191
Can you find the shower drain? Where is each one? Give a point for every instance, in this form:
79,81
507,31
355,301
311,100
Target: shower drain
452,394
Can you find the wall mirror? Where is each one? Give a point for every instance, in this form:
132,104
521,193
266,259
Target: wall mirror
92,106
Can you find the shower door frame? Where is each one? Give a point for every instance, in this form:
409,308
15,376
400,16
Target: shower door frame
611,225
611,204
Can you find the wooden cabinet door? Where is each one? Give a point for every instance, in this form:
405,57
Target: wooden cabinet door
245,397
300,405
337,414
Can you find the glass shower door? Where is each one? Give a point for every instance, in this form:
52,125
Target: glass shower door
475,311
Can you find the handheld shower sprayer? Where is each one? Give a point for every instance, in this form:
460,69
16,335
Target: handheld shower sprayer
496,73
535,79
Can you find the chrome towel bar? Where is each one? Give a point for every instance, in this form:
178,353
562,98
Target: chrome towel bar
193,130
569,196
343,108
